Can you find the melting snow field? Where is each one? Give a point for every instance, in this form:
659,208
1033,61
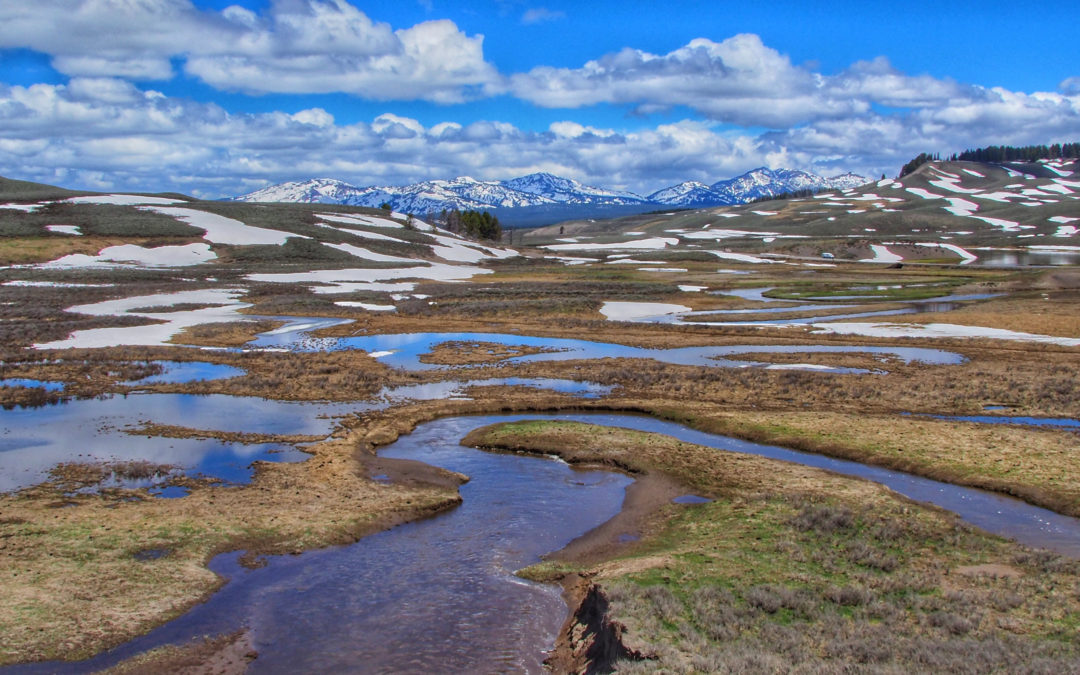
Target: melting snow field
364,254
741,257
130,255
652,243
348,280
882,255
222,230
172,323
65,229
629,311
123,200
451,248
366,305
967,256
937,330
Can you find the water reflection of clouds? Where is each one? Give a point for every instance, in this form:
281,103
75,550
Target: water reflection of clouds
34,440
408,347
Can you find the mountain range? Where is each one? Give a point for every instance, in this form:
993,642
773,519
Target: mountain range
544,189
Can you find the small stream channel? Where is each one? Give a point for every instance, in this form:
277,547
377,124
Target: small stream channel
438,595
403,350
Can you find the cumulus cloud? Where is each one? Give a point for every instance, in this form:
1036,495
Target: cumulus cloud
745,82
107,134
295,46
739,80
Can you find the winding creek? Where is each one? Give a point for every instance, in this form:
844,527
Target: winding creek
403,350
407,598
437,594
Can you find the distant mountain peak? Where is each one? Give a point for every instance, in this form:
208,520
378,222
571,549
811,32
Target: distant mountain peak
543,188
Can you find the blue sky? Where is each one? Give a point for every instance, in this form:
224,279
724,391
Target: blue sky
217,98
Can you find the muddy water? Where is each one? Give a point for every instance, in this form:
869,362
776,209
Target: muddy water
438,596
433,596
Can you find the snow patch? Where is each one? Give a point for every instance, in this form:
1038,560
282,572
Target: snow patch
925,194
961,207
130,255
629,311
364,254
882,254
222,230
1005,225
937,330
741,257
966,255
155,334
65,229
653,243
27,208
123,200
366,305
348,280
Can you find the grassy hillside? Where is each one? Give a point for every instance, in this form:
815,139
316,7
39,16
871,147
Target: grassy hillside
965,204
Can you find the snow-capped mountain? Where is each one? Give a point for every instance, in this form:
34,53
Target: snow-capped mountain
847,181
569,191
689,193
540,189
314,191
761,182
435,195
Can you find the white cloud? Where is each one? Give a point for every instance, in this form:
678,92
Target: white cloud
745,82
107,134
295,46
537,15
738,80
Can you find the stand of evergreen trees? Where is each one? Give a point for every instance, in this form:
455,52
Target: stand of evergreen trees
923,158
476,224
793,194
1027,153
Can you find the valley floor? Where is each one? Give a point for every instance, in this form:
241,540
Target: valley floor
785,567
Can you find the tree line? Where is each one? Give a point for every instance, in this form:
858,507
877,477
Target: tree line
790,194
923,158
1026,153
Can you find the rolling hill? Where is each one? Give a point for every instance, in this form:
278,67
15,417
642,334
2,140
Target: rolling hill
958,211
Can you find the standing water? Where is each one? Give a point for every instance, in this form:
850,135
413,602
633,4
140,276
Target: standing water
438,595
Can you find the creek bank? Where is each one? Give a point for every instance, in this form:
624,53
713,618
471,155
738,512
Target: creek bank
791,567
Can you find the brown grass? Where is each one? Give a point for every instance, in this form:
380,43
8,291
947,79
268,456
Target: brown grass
792,568
26,250
232,334
456,353
73,585
1051,313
